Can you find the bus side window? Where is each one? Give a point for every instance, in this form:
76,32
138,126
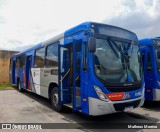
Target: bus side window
18,62
22,59
149,62
52,56
143,58
85,57
39,58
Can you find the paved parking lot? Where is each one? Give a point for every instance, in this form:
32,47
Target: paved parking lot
27,107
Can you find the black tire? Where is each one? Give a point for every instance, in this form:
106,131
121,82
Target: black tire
19,86
54,100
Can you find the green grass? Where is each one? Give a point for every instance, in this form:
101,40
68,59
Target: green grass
5,86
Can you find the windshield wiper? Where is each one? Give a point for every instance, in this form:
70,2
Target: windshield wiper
123,58
131,48
118,48
113,49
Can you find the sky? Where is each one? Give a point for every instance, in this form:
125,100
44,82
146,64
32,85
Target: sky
24,23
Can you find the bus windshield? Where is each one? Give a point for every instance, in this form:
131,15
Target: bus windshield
117,61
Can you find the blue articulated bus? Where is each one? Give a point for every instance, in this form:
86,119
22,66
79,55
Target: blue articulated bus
92,68
150,50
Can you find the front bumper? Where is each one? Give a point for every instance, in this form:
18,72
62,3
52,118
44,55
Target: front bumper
156,94
99,107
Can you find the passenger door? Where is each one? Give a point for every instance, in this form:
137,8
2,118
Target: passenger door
149,76
64,73
69,74
28,70
77,52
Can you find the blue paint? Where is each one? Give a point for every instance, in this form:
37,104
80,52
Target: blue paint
151,76
80,35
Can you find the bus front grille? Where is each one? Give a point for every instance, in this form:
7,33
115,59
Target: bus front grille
124,88
122,106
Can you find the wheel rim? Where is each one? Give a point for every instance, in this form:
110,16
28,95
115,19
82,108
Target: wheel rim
19,86
55,99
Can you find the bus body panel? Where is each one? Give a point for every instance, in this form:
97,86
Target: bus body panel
42,77
156,94
19,75
99,107
84,98
151,76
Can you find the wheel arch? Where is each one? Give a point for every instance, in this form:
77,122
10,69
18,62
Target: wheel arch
51,86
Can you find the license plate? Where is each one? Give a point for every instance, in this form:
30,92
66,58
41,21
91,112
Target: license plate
128,108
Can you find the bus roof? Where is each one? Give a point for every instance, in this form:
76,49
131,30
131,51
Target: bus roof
85,25
80,27
148,41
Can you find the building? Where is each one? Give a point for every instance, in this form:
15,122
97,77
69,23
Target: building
5,65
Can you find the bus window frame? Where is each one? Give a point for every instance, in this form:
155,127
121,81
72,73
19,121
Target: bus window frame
46,47
35,66
151,69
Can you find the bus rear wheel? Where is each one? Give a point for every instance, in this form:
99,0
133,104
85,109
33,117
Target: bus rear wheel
54,100
19,86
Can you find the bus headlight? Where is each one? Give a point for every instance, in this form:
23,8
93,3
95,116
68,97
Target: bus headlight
100,94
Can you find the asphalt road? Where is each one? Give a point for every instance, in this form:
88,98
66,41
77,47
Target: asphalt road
27,107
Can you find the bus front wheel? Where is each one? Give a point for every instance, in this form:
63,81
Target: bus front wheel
54,100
